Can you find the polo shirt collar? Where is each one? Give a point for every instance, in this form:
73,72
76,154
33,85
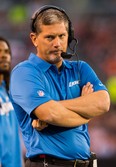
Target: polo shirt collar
43,65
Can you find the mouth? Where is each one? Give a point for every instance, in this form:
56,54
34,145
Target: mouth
4,64
57,52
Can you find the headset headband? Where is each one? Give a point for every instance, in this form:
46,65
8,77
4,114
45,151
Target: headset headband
46,7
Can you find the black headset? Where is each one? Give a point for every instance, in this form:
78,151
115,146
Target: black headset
46,7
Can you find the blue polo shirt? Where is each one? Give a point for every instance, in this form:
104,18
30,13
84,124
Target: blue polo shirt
34,82
10,148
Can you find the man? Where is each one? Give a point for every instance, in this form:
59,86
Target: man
54,99
10,151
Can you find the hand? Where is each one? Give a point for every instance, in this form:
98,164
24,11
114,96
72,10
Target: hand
39,125
87,89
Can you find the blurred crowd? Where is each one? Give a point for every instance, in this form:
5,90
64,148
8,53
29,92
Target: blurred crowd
95,28
97,43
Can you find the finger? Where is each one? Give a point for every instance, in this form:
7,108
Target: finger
88,88
43,124
39,128
34,123
88,84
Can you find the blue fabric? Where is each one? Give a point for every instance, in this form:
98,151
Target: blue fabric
10,150
34,82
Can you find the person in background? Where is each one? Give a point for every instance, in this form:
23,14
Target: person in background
10,149
54,99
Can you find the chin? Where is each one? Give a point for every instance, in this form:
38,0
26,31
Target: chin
55,61
4,71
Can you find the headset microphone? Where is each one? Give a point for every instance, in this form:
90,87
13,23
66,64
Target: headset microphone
66,55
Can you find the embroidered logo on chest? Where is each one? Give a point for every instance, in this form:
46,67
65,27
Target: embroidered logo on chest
40,93
73,83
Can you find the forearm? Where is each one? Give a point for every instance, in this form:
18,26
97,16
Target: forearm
60,116
89,106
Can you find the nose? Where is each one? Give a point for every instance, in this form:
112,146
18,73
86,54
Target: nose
56,42
4,56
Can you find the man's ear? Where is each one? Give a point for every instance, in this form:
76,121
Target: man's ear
33,37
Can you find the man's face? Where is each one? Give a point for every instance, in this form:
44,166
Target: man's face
51,42
5,58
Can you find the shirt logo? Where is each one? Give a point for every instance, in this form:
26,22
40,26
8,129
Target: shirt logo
100,84
73,83
41,93
5,107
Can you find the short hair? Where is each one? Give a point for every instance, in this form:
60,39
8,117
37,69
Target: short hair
48,17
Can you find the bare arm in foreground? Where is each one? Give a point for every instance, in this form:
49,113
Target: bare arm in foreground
67,113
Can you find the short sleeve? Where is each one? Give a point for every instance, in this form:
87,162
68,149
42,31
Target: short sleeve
27,88
88,75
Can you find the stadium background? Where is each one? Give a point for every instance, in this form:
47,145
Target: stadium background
94,22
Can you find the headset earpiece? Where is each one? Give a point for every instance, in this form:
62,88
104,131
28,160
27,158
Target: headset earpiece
46,7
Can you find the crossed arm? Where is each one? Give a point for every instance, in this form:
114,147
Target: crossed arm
73,112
